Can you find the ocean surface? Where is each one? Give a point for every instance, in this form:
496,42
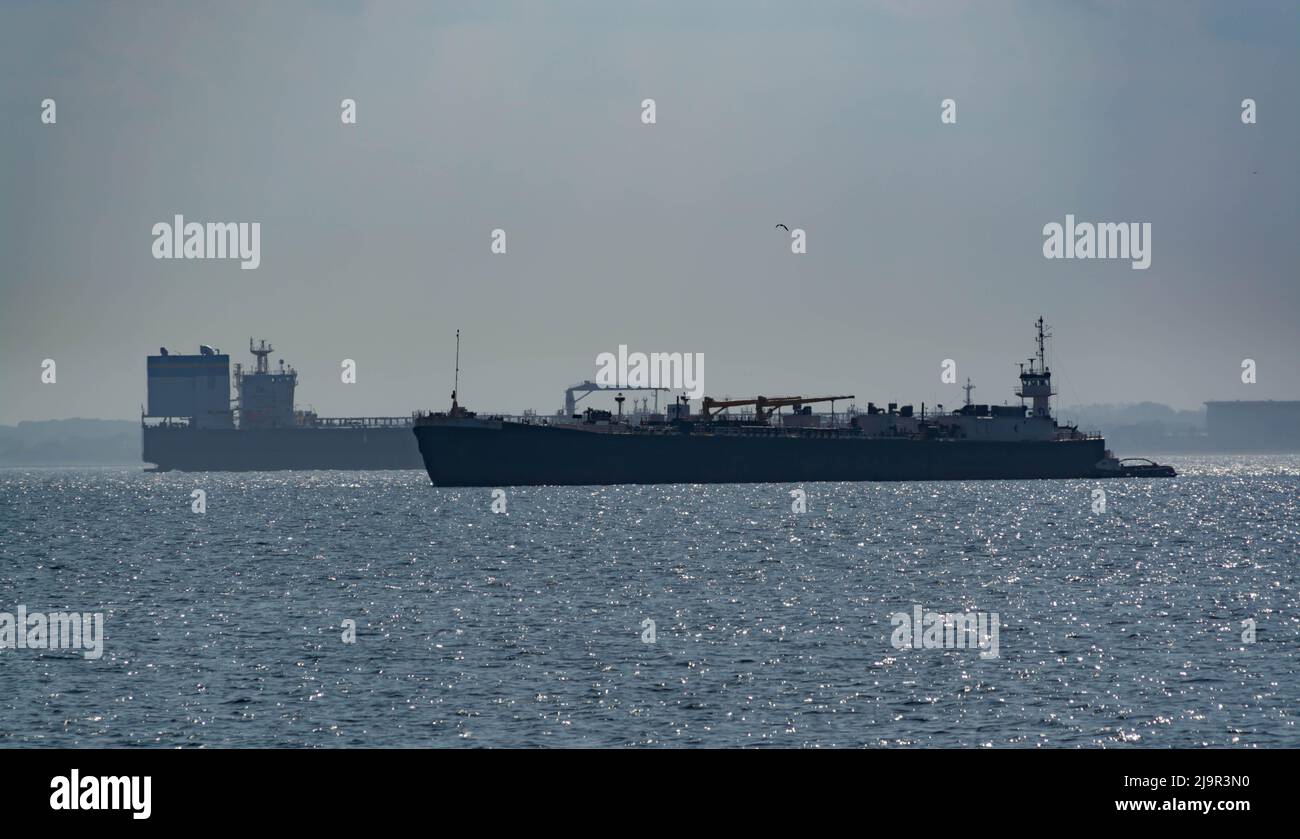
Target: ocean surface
1118,628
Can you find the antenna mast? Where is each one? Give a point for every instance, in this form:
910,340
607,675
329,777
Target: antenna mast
456,381
261,352
1042,342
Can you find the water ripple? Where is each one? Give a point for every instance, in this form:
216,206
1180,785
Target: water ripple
772,628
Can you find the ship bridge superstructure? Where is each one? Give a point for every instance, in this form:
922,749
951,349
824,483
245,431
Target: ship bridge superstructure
1036,377
265,396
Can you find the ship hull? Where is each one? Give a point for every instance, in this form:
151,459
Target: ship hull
230,450
496,453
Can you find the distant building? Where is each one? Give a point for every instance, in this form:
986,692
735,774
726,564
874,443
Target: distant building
1253,426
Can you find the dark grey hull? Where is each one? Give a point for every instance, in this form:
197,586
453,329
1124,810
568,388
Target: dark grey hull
209,450
488,453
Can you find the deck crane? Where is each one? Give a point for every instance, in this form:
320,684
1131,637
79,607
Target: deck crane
763,405
586,388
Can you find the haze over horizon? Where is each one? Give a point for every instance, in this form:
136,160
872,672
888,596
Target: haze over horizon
924,239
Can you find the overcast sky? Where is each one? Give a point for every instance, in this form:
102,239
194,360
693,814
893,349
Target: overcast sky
924,239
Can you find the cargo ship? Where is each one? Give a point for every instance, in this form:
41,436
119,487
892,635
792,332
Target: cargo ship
762,444
193,424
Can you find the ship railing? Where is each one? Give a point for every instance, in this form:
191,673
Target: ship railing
613,424
838,420
543,419
1080,435
166,422
359,422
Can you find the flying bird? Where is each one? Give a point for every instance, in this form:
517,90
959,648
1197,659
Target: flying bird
787,230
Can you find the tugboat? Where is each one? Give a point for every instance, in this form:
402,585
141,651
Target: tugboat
1136,467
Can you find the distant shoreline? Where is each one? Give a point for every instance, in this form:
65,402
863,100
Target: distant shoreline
71,442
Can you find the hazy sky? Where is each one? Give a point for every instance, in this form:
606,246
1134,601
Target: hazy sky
924,239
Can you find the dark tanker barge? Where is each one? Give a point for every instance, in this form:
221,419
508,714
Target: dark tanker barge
460,448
